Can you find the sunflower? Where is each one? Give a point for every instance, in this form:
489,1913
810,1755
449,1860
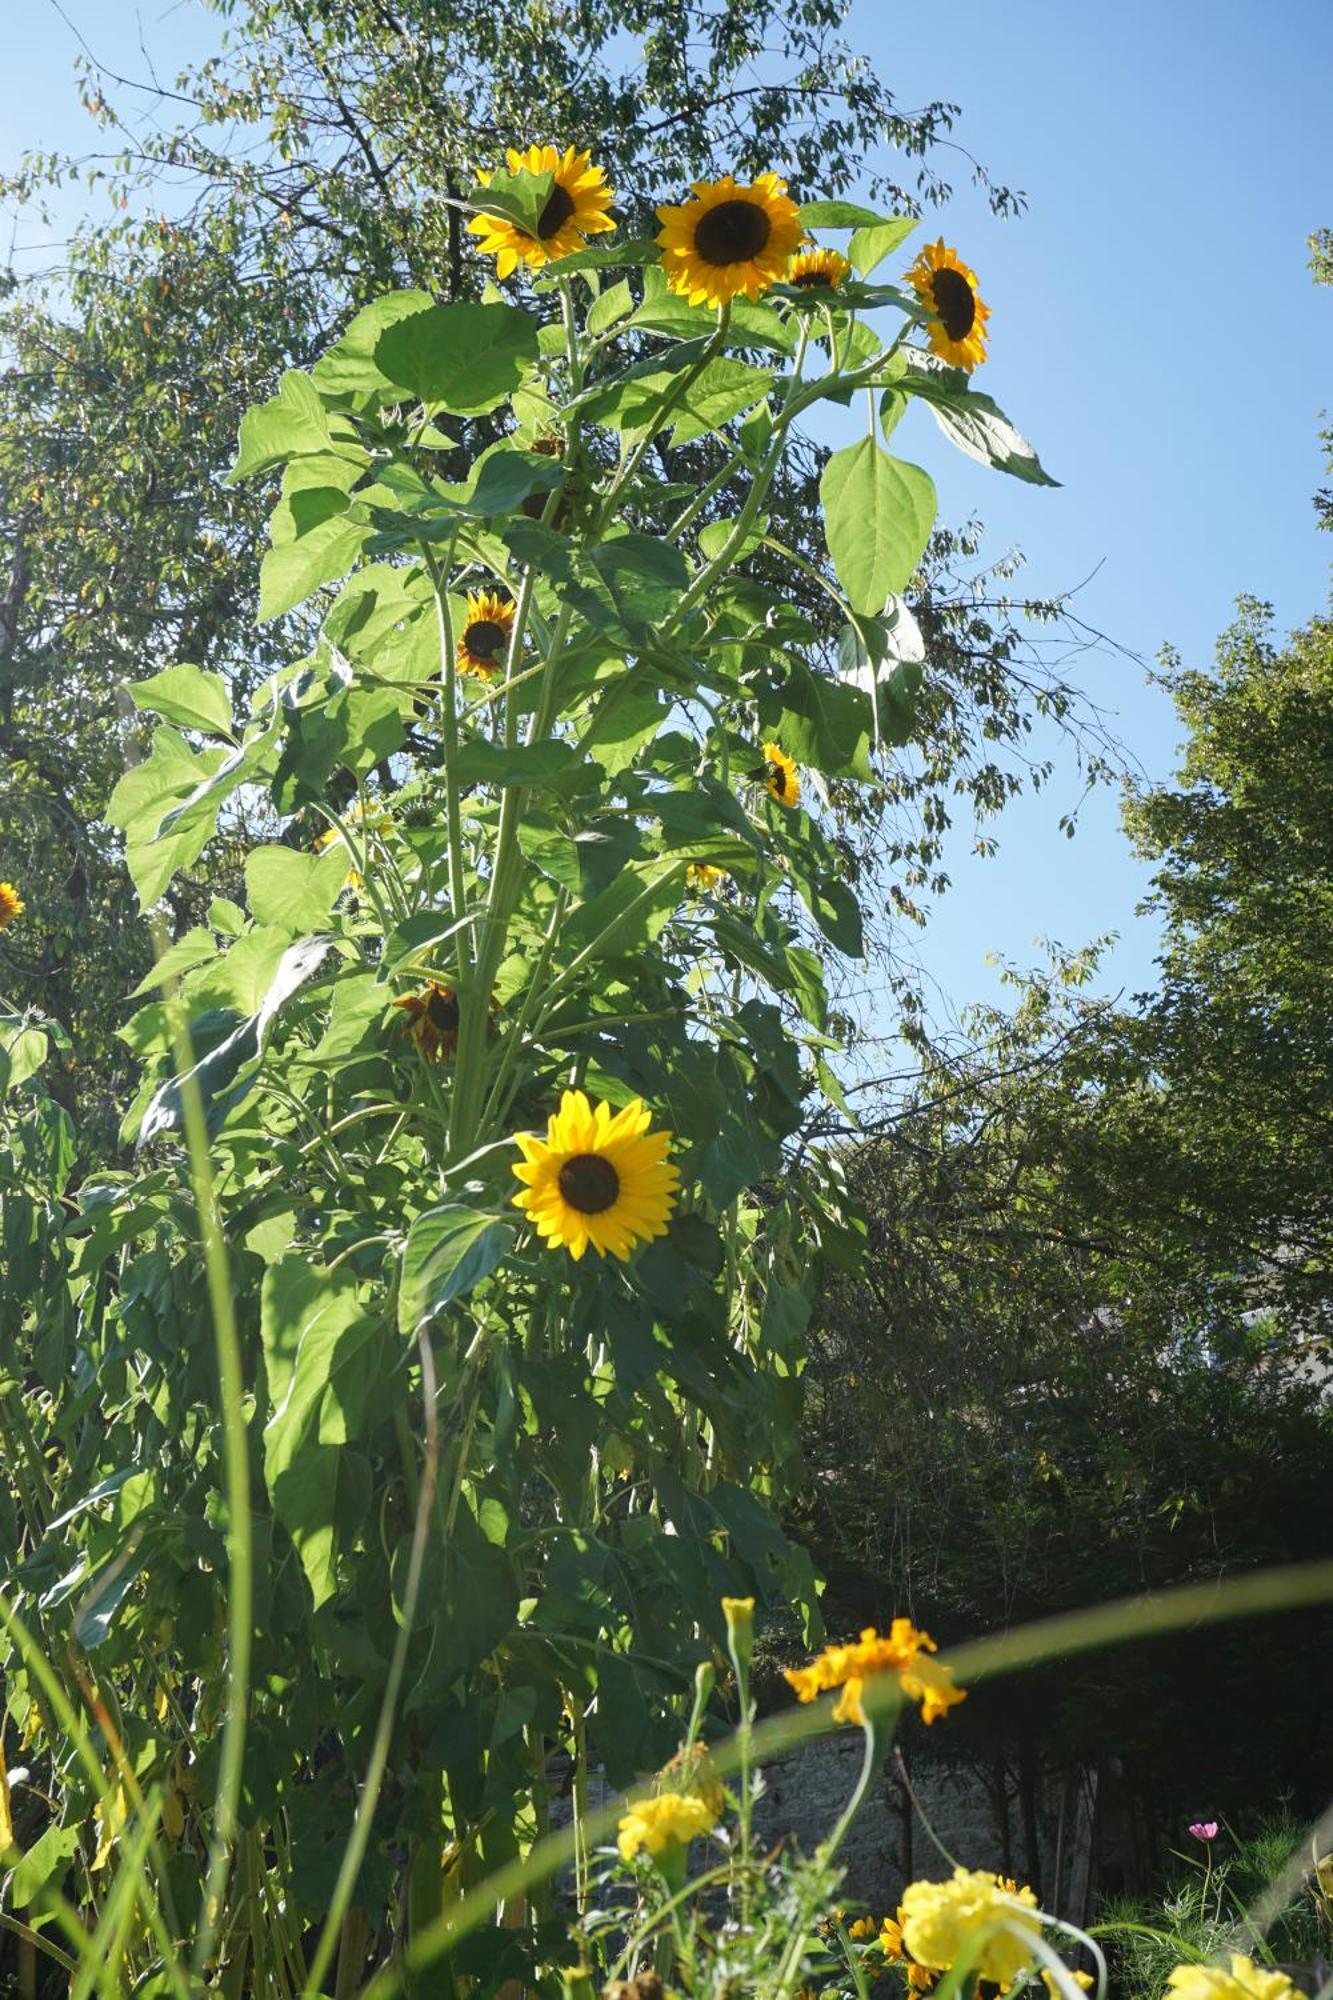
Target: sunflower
944,283
818,270
782,780
731,240
11,905
703,875
576,209
485,636
433,1017
598,1178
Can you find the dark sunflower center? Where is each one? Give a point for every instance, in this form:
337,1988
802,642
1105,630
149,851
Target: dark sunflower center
484,638
442,1010
589,1183
955,302
559,207
777,778
812,278
732,233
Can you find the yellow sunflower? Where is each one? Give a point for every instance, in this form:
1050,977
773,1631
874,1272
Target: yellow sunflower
12,905
703,875
485,636
733,240
818,270
433,1020
944,283
598,1177
576,209
782,780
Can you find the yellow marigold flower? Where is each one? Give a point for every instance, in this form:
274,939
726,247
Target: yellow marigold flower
945,284
485,636
703,875
901,1651
972,1912
818,270
671,1820
12,905
433,1017
598,1178
1245,1981
782,779
1083,1980
576,209
733,240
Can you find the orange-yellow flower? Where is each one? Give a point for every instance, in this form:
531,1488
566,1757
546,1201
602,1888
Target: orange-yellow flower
901,1651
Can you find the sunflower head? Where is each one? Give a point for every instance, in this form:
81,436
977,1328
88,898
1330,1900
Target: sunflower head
485,636
733,240
598,1177
576,209
818,270
432,1016
12,905
702,875
948,289
782,779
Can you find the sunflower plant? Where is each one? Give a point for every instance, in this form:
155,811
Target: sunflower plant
448,1336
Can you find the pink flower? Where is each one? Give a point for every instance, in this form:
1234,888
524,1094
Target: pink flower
1204,1829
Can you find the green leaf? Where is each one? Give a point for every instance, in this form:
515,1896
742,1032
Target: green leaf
885,659
723,390
839,215
610,306
289,573
291,890
289,424
749,324
349,369
822,722
878,240
645,578
45,1862
466,357
878,513
975,424
519,198
448,1252
554,764
188,696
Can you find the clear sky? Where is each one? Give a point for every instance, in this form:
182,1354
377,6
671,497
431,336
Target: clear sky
1155,333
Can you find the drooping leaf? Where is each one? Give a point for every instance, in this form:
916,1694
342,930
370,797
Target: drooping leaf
187,696
466,357
878,512
448,1252
287,425
976,424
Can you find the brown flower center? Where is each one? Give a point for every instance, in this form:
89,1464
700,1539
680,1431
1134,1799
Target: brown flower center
442,1010
559,207
484,638
955,302
589,1183
732,233
777,778
815,277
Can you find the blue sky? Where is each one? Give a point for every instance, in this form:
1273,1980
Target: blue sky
1155,333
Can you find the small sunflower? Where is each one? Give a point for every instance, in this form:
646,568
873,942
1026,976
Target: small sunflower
598,1177
576,209
782,780
733,240
433,1017
703,875
485,636
944,283
818,270
12,905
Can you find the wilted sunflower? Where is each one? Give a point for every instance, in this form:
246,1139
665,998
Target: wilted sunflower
818,269
576,209
732,240
782,780
485,636
433,1017
598,1177
12,905
945,284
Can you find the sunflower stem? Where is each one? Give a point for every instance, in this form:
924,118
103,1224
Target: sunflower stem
465,946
